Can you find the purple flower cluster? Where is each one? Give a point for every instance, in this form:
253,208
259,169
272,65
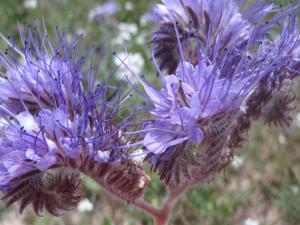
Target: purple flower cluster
233,22
190,97
222,64
223,69
56,115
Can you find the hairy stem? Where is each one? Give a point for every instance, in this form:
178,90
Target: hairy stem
162,214
146,207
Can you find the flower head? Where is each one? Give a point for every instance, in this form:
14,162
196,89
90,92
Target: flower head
273,98
59,120
207,101
232,22
191,98
206,19
103,10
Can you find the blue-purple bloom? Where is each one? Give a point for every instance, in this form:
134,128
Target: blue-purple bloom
232,22
103,10
238,56
287,46
207,19
58,120
220,66
192,97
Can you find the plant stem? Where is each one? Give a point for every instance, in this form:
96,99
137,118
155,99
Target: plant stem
146,207
162,214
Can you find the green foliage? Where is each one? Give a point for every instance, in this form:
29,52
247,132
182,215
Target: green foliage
107,221
289,202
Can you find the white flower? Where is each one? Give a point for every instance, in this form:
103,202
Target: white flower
30,4
250,221
81,31
237,162
281,139
126,31
141,39
85,206
134,61
128,6
295,189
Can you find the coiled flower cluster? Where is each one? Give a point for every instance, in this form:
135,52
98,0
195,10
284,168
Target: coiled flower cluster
219,70
58,120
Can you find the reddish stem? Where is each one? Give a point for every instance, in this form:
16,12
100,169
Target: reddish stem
162,214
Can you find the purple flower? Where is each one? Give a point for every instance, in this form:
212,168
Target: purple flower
168,132
207,23
190,99
206,18
274,97
228,61
103,10
59,121
287,46
24,148
204,103
40,76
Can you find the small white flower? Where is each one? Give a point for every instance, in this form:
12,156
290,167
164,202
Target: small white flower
128,27
128,6
134,61
30,4
281,139
85,206
237,162
141,39
81,31
295,189
250,221
126,31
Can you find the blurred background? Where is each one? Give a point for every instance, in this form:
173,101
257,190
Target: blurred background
260,187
